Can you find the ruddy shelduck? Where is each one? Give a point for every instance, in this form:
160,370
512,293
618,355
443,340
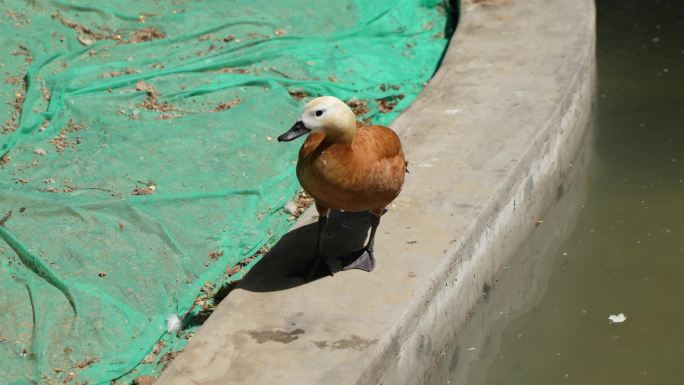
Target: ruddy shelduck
348,167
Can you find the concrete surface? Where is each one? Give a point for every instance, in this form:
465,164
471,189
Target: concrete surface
490,142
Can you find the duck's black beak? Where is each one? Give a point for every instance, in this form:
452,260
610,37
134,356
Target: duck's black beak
295,132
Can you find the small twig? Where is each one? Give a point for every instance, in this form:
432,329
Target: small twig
5,218
187,313
111,192
279,72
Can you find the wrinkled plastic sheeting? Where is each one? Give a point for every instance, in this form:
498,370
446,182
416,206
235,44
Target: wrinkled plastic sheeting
138,137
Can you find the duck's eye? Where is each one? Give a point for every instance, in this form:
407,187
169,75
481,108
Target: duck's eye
319,112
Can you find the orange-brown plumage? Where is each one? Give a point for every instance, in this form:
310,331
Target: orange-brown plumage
366,174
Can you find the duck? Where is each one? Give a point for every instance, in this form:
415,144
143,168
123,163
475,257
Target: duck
346,166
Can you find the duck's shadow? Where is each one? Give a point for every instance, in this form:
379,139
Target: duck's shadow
346,232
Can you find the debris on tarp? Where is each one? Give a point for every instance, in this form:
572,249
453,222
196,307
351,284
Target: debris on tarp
174,324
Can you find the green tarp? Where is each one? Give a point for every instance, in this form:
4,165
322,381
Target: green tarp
138,159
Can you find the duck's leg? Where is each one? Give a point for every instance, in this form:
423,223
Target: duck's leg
317,266
363,259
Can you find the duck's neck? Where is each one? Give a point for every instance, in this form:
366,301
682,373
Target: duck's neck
340,136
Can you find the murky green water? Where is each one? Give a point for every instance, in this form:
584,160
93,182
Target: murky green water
614,244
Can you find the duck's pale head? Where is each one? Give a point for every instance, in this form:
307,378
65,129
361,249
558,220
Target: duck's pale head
328,115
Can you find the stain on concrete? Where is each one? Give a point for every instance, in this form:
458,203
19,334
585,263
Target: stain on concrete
489,3
354,342
453,360
464,206
486,288
560,191
421,344
529,189
276,335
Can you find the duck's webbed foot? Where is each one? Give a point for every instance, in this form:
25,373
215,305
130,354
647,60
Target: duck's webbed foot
360,259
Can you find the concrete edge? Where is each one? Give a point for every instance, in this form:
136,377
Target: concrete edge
521,199
519,287
495,216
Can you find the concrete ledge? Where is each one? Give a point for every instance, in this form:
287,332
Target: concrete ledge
520,286
489,142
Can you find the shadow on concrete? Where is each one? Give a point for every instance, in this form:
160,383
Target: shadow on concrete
346,232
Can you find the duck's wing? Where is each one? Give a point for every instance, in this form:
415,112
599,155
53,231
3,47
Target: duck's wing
310,144
378,143
378,152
